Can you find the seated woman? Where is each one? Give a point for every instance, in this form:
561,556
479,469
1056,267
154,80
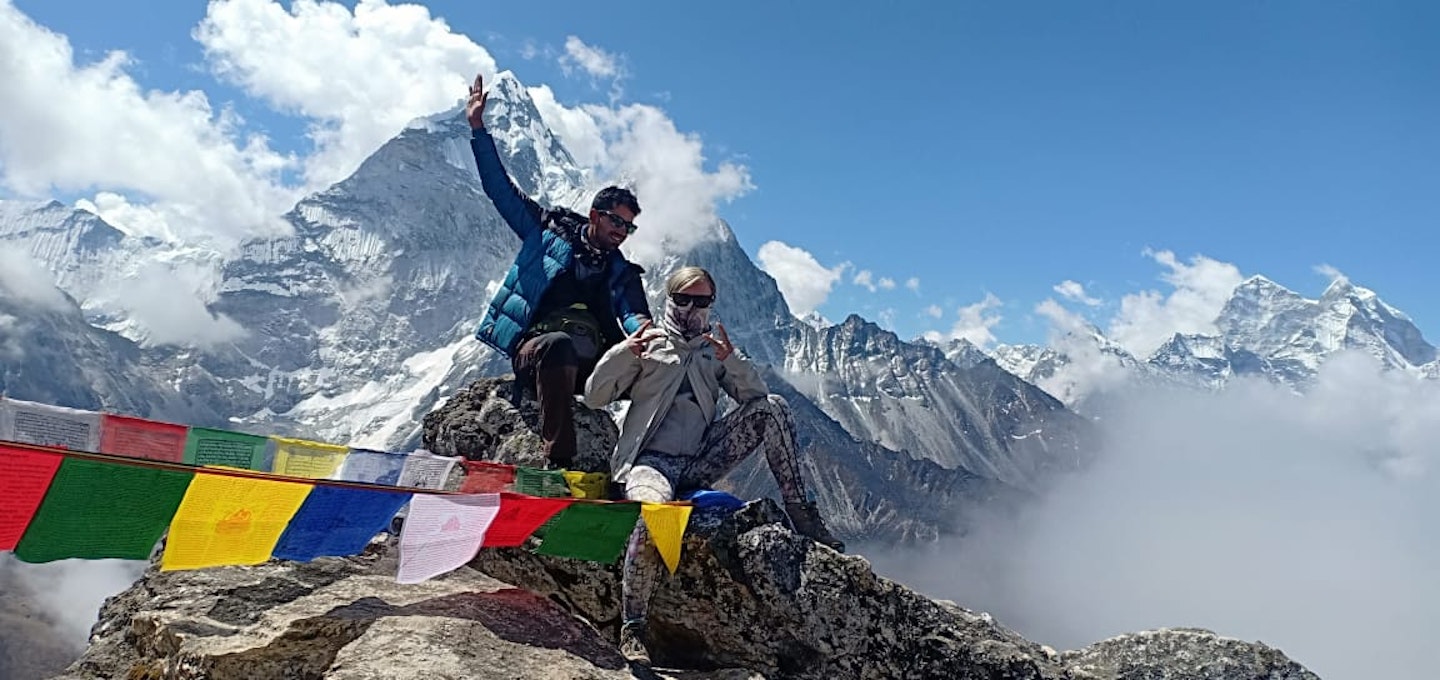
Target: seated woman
671,442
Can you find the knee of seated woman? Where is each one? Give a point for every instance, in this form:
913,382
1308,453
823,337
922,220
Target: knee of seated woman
646,484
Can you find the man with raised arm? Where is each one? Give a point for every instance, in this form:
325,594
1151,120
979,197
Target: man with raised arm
569,295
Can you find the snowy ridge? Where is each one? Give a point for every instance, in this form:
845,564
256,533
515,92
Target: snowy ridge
1265,331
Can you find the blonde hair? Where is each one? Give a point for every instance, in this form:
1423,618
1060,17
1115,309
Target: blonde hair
685,276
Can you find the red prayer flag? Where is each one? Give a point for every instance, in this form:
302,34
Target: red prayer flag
483,477
140,438
519,517
24,478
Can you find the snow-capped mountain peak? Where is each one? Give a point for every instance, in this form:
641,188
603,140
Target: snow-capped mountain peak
1264,330
59,238
1276,323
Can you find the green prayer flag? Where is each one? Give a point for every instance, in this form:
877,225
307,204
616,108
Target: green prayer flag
98,510
544,483
205,446
591,531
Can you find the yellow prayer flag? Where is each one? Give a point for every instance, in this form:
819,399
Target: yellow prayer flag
667,527
587,484
225,520
302,458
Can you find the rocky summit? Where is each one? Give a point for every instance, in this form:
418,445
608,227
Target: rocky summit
750,599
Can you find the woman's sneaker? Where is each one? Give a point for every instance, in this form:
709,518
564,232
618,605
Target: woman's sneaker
632,642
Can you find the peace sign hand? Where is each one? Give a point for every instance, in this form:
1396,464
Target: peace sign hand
722,345
640,340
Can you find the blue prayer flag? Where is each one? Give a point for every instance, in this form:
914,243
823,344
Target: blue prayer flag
336,522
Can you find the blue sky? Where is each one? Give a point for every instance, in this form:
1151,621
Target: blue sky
986,148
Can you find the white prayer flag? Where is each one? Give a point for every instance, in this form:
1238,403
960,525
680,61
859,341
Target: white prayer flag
442,533
29,422
425,470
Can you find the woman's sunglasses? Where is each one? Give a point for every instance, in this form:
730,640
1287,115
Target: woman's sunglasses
685,300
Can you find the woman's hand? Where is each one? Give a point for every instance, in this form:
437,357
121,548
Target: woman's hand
723,348
640,340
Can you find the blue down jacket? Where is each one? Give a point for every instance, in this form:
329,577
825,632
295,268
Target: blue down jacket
544,255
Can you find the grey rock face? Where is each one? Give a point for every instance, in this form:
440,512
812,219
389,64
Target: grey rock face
912,398
486,422
751,599
338,618
1182,653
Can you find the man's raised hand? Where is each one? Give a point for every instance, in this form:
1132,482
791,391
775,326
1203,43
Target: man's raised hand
475,108
639,341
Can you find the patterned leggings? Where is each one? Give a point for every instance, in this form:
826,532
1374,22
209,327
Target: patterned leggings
728,442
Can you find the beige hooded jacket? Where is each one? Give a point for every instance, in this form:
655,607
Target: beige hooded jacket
652,381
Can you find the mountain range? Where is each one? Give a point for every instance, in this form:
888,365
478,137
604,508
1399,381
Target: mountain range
1264,330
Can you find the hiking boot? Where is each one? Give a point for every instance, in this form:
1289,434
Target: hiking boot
632,642
805,517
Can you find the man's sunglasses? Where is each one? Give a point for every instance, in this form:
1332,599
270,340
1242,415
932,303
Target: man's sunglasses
685,300
619,221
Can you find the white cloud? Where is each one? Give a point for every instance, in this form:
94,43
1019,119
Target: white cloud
11,348
577,129
934,311
637,145
974,323
1251,511
358,76
74,127
886,317
22,279
913,283
1200,289
168,303
1088,370
1073,290
595,62
120,213
803,281
1330,273
72,591
865,279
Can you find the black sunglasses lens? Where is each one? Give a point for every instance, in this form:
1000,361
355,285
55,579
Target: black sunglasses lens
683,299
621,222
